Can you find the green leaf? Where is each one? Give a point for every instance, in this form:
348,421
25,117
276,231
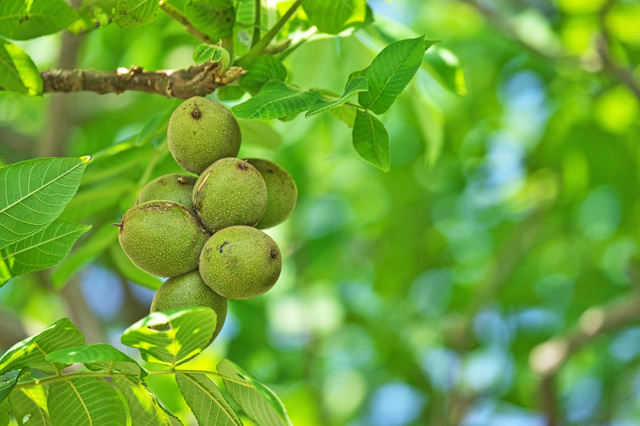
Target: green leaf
96,199
18,73
275,100
35,193
230,93
264,68
390,72
259,402
41,250
345,113
335,16
29,406
32,351
206,401
144,407
9,381
157,125
189,333
354,86
259,133
89,401
98,242
22,20
430,122
5,413
125,266
445,67
99,356
371,140
211,52
134,13
205,16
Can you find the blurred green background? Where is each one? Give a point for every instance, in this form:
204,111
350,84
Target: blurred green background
490,278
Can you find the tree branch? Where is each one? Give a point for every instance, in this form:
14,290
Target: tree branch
259,48
547,358
624,75
183,83
175,14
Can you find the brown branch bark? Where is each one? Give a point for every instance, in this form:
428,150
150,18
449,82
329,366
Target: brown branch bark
198,80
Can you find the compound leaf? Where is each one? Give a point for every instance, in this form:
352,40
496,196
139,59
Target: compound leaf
29,406
134,13
206,16
17,71
25,19
265,68
335,16
41,250
35,193
144,407
259,402
276,100
32,351
391,71
189,332
371,140
99,356
354,86
85,401
206,401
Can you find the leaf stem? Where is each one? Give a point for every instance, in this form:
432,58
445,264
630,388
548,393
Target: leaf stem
53,379
256,21
175,14
208,373
259,48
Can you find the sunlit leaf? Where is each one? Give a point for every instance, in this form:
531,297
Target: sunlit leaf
144,407
190,331
354,86
335,16
98,356
22,19
35,193
259,133
259,402
29,407
263,69
391,71
86,401
371,140
134,13
17,71
445,67
41,250
276,100
32,351
206,401
205,16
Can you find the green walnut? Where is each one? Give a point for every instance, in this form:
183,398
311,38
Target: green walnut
240,262
201,132
162,238
189,290
174,187
230,192
282,192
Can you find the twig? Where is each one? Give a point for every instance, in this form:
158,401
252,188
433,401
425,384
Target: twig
625,76
547,359
175,14
183,83
256,20
259,48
